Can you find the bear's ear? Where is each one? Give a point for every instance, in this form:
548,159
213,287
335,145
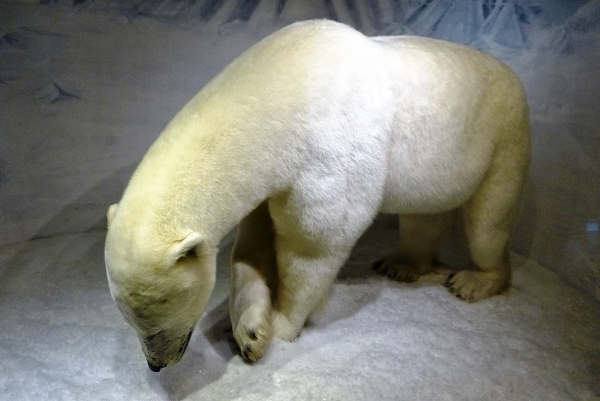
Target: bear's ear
110,215
186,248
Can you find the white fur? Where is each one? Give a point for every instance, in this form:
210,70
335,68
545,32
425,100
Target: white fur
329,128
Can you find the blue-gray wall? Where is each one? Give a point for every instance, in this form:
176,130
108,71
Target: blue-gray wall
86,86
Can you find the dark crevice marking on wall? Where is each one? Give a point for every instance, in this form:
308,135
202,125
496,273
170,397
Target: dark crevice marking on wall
243,10
209,8
3,178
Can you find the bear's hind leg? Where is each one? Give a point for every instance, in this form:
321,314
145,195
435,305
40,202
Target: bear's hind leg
487,220
491,273
253,283
421,236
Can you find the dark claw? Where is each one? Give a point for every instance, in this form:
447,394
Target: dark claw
252,335
247,349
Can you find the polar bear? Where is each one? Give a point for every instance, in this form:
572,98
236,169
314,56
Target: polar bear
302,141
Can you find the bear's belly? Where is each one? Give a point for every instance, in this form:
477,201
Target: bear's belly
432,179
425,197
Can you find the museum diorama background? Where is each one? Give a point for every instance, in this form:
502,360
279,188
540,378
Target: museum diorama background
87,85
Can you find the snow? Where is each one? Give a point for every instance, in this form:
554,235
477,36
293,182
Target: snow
86,88
63,338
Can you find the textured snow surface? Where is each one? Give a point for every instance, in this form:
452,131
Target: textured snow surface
62,338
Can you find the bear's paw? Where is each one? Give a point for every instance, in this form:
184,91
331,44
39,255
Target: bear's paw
402,268
253,332
473,286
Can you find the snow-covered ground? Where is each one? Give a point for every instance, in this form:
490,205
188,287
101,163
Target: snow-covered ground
62,338
85,88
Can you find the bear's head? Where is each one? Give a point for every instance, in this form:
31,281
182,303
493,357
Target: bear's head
160,287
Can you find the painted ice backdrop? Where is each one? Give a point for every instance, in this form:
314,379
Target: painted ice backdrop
87,85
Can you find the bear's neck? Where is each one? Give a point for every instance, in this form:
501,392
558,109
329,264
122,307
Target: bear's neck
206,179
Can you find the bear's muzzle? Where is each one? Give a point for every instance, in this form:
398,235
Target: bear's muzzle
161,351
155,368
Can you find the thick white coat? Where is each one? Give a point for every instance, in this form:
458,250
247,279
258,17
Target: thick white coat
330,127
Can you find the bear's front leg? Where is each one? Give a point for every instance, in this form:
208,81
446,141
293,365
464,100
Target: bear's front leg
253,283
304,281
250,310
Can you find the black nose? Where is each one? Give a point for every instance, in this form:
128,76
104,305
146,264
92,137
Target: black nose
154,368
